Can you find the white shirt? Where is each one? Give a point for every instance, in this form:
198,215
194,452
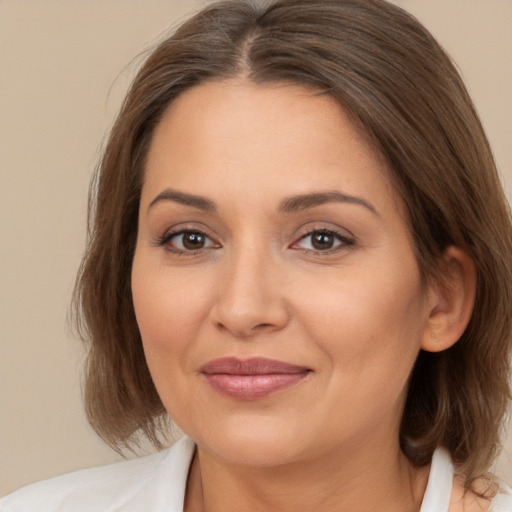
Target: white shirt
156,483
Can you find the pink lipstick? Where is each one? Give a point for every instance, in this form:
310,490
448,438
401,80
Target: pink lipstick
250,379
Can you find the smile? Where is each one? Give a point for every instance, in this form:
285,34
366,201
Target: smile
252,378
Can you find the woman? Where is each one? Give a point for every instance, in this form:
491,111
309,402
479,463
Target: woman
300,252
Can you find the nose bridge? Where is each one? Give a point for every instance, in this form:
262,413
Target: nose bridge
251,297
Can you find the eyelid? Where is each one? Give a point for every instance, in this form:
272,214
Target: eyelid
171,233
344,237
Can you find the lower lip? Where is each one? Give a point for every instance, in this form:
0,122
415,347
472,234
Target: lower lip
250,387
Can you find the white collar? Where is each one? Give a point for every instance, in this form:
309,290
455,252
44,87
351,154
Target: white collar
440,483
436,498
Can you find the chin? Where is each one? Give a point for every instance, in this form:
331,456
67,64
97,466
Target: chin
258,453
255,442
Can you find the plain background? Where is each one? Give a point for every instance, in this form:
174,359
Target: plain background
65,65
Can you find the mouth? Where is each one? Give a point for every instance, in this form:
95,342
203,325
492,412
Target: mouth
253,378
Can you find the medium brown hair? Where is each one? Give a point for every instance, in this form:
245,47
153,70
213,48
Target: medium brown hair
399,85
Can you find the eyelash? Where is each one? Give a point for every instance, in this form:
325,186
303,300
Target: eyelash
165,241
341,237
344,241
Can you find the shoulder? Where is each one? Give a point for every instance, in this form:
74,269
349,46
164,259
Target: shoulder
133,486
467,501
446,490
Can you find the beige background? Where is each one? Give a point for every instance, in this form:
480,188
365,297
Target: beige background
64,67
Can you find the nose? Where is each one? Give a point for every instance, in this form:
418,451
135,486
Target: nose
251,297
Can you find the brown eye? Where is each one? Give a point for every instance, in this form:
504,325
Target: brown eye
322,241
187,242
192,240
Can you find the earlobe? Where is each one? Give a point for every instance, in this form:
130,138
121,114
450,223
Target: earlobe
450,301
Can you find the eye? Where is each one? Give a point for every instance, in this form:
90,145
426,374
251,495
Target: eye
323,240
187,241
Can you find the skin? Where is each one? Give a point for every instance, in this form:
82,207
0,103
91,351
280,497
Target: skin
355,314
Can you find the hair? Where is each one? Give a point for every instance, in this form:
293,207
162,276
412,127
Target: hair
402,89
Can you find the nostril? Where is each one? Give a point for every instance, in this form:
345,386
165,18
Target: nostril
245,330
262,326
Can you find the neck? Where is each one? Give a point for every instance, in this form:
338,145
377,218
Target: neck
376,478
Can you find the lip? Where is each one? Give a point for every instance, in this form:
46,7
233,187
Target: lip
254,378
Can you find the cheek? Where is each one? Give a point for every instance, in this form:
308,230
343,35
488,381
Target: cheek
369,320
168,308
169,312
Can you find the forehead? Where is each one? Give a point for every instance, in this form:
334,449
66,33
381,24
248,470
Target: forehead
277,137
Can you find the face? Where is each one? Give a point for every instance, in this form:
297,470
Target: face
274,278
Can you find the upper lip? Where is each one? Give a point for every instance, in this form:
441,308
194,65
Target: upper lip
252,366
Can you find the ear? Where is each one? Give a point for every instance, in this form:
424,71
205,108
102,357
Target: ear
450,302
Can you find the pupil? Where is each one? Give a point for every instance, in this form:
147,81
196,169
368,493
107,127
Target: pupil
193,240
323,241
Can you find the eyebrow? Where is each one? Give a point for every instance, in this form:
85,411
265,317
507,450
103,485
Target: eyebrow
289,205
306,201
199,202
